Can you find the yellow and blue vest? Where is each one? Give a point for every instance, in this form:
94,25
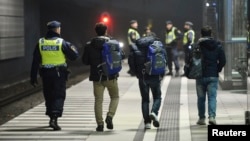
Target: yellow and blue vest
137,35
51,52
170,36
185,37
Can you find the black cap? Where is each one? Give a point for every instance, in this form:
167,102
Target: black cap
169,22
53,24
189,23
133,21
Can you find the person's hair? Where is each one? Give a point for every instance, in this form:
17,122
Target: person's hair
206,31
100,29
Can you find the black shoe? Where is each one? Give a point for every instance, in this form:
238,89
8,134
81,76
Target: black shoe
169,73
131,73
53,124
99,128
109,122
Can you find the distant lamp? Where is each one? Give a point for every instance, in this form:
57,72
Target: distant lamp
207,4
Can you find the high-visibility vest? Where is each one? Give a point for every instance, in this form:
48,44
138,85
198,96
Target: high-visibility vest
137,35
51,52
185,37
170,36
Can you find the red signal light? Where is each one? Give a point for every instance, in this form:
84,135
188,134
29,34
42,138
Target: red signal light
105,19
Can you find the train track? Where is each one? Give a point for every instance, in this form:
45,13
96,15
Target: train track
24,89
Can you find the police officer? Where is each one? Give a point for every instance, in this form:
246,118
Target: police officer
133,35
188,38
171,37
49,58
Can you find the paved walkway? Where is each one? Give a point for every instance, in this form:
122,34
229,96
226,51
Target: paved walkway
178,115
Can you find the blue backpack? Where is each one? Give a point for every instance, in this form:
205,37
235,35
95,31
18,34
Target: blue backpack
111,58
156,59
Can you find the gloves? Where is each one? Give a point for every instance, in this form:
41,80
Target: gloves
34,82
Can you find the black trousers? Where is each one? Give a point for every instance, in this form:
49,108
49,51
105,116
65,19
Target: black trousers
172,54
187,53
54,90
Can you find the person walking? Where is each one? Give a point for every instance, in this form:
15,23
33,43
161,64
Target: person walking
50,58
92,56
148,82
171,38
133,35
213,62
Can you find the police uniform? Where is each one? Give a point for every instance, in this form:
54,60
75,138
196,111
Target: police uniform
171,37
50,59
188,39
133,35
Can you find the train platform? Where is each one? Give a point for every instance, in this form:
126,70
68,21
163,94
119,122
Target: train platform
178,114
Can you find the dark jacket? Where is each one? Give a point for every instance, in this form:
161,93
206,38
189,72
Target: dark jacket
92,56
68,49
213,56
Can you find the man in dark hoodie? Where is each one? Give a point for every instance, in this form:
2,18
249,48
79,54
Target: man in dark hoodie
213,62
92,56
49,57
148,82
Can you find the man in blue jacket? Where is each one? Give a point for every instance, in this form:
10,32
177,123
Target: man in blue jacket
213,62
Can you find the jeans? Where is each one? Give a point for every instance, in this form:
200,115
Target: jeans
155,85
207,86
99,88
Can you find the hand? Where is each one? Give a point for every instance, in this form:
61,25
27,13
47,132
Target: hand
34,82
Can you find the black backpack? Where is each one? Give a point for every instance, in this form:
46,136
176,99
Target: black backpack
193,68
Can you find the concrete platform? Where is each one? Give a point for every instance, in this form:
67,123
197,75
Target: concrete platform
178,114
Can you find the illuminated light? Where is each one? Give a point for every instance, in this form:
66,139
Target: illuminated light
121,44
207,4
105,19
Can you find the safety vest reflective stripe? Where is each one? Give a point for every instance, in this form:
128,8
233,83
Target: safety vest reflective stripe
170,36
51,52
137,35
185,37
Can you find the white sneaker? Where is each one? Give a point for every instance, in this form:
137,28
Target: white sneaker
212,121
155,119
148,126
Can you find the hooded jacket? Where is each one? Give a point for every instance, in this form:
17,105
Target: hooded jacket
213,56
92,56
